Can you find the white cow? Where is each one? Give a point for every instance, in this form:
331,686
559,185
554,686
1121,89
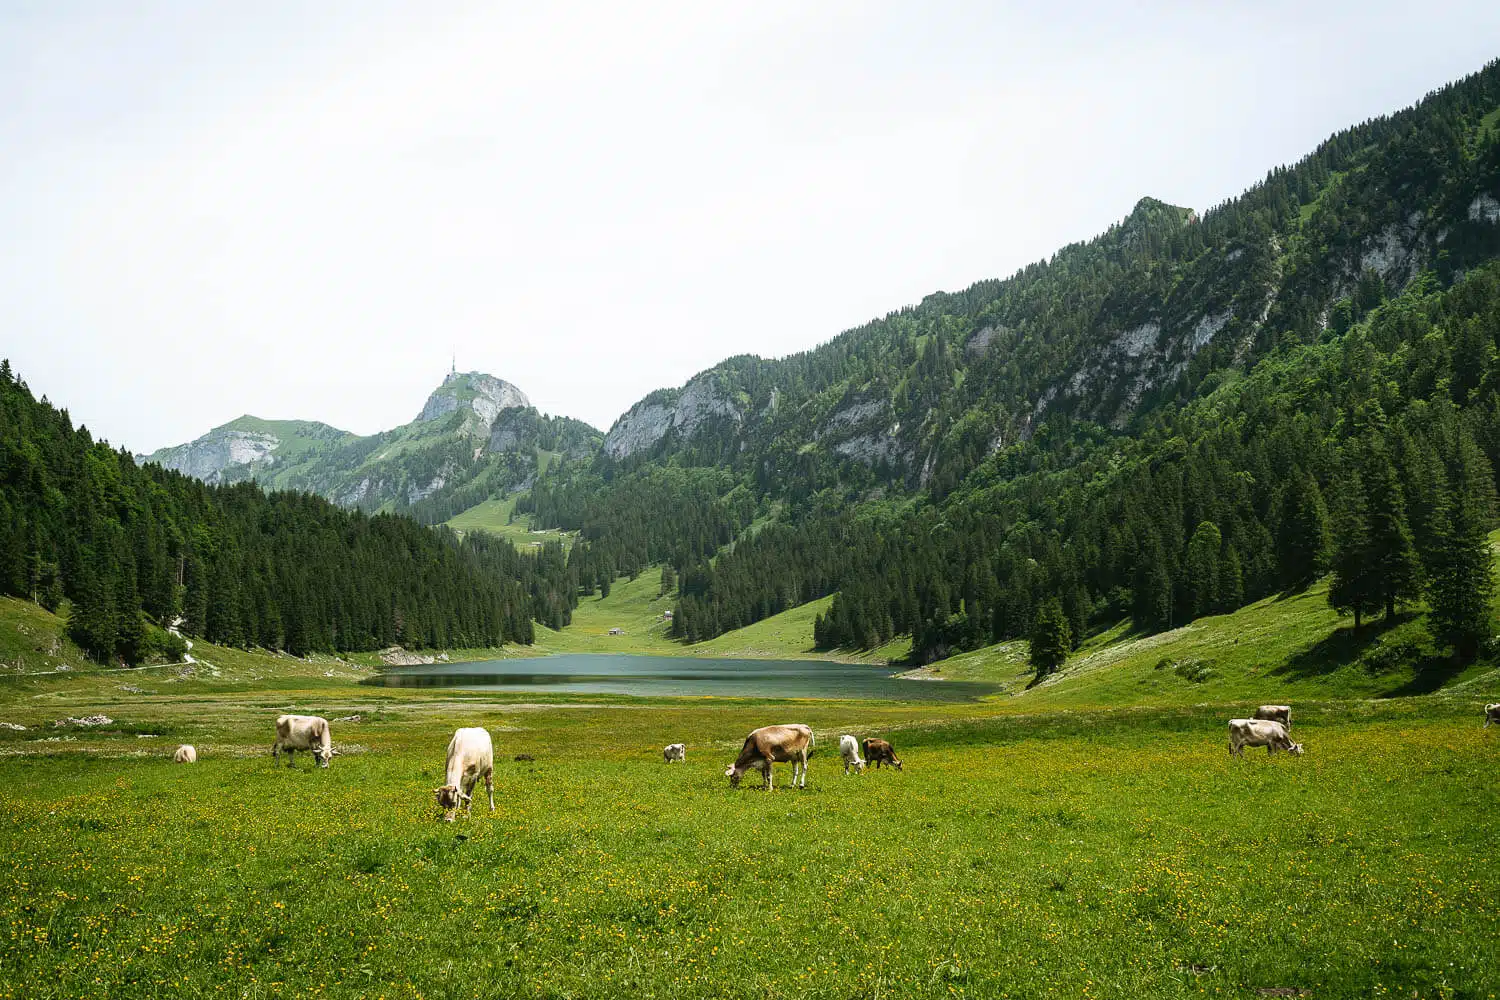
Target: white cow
1491,714
674,751
1259,733
849,750
1276,713
302,732
185,755
471,756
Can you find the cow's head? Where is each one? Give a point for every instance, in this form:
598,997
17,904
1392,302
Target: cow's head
896,762
449,798
1295,748
733,774
323,755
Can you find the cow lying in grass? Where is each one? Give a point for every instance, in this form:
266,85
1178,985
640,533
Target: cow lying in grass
1260,733
1276,713
773,745
471,756
302,732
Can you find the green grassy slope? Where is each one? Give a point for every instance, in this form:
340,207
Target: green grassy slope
1277,649
493,517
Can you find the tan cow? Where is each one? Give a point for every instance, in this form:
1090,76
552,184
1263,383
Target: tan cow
471,756
302,732
1491,714
185,755
1276,713
773,745
879,752
1260,733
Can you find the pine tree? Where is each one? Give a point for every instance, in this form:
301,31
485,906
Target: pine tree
1050,638
1460,575
1353,588
1152,603
1303,541
668,580
1393,563
1201,572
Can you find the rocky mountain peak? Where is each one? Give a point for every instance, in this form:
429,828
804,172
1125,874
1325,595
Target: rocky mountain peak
484,394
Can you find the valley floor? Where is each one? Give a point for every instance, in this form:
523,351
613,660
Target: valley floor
1087,836
1116,852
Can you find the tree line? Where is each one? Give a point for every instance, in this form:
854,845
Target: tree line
130,549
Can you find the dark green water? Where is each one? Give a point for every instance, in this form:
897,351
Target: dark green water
680,676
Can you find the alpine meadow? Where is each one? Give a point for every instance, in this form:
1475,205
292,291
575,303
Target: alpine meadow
1166,567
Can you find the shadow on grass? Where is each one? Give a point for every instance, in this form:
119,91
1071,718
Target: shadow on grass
1432,673
1339,648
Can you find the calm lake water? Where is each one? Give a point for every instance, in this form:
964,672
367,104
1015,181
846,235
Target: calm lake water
679,676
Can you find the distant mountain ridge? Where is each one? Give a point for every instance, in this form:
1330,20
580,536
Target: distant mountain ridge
476,436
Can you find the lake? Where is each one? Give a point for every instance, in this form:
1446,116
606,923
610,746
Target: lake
680,676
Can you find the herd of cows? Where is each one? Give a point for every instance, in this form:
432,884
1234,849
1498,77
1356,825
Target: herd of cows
471,753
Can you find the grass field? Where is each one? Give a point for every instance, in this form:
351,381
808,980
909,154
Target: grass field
1036,844
494,517
1106,853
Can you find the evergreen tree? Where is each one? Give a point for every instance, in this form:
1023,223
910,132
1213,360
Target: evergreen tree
1391,557
1304,540
1201,572
1353,588
1050,638
1460,575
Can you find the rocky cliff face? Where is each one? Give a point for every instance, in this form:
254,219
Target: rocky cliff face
244,448
683,411
484,395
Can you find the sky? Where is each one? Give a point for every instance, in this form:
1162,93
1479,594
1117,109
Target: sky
306,210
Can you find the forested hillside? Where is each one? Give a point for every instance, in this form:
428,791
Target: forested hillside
131,548
1180,416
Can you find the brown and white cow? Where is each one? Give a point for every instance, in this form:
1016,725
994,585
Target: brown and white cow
879,752
471,756
186,755
1491,714
1259,733
1276,713
773,745
302,732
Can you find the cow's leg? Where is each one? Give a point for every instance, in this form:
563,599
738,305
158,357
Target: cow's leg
765,769
489,786
276,752
804,770
290,760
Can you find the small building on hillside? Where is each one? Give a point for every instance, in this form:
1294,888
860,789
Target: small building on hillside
616,631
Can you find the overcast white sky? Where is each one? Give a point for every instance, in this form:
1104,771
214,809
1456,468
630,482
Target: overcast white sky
300,210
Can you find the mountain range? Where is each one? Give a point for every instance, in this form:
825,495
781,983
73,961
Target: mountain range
475,436
1159,423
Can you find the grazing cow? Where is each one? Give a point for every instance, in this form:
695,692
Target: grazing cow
879,752
471,756
1276,713
185,755
773,745
674,751
1491,714
302,732
849,750
1259,733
